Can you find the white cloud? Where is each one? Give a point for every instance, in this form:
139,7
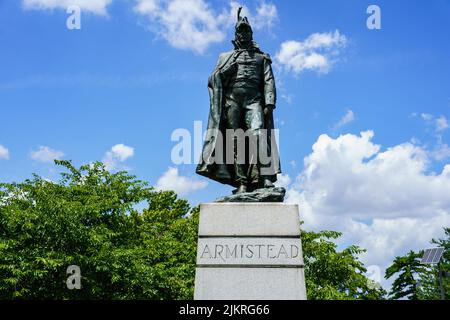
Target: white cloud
317,52
293,163
387,238
347,118
93,6
115,158
279,122
194,25
283,180
287,97
185,24
426,116
46,154
384,201
438,150
4,153
264,17
441,152
441,124
171,180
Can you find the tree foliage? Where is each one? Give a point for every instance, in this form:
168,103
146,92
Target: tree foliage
429,288
416,281
408,268
129,241
335,275
89,219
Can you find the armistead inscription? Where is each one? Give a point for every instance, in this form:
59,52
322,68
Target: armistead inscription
253,251
249,251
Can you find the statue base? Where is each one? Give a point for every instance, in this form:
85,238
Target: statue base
275,194
249,251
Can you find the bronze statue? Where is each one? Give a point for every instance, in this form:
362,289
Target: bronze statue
242,97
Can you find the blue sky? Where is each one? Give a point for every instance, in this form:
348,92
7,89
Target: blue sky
128,78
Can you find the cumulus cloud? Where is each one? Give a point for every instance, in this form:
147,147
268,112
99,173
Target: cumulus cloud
283,180
171,180
426,116
385,201
318,52
347,118
264,18
287,97
439,150
293,163
4,153
46,154
94,6
115,157
441,124
193,24
387,238
185,24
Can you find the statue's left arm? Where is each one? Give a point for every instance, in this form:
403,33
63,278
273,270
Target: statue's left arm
270,93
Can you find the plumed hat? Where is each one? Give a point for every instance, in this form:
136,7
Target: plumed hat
242,23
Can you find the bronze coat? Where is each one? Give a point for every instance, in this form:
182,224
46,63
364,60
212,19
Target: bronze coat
209,167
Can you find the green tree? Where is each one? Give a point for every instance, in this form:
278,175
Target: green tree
420,281
429,288
332,274
428,284
408,270
129,241
90,219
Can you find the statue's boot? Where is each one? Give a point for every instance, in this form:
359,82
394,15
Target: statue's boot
268,184
242,189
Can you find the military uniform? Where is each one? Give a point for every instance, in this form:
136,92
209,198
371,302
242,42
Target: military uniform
249,86
240,88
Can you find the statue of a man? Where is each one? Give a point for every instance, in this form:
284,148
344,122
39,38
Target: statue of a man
242,98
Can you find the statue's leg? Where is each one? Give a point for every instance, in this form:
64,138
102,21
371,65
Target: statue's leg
254,121
234,119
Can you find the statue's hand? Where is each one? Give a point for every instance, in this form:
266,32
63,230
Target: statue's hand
268,109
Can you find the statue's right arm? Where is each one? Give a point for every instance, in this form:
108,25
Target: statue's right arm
218,64
218,67
223,59
224,68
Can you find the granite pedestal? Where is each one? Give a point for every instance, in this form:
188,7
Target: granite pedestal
249,251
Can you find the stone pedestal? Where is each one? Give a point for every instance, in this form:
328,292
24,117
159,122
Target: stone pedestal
249,251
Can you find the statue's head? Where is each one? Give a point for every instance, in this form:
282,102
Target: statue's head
244,32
